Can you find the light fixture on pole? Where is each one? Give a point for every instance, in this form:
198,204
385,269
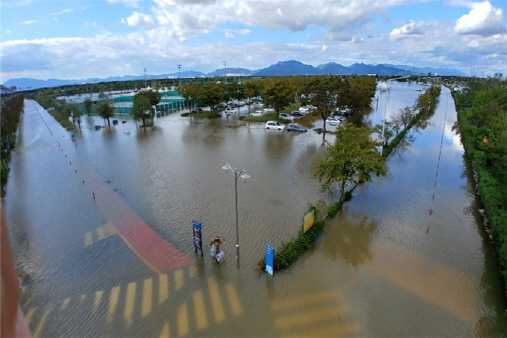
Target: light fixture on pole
244,175
179,73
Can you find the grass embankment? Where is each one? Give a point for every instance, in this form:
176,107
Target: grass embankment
482,112
11,112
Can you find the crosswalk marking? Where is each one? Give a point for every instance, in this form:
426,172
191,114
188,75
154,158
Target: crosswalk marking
344,330
101,232
113,303
96,301
178,279
65,303
216,302
29,299
303,318
200,313
192,271
129,303
82,297
162,288
29,315
165,331
147,295
41,323
305,299
237,310
88,238
183,328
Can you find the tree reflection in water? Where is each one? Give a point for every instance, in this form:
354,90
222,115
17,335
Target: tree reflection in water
349,237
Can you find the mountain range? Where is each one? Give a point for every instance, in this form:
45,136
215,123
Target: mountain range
282,68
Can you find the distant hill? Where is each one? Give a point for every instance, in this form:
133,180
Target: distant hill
282,68
287,68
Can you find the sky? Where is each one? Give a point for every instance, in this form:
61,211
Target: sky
68,39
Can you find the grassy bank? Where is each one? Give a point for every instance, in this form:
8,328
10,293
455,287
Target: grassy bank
485,142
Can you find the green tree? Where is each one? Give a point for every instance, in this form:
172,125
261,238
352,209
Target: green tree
388,130
210,94
404,117
105,110
251,89
190,92
359,92
141,108
88,103
351,159
323,92
277,93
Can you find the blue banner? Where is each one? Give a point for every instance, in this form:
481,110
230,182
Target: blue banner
196,226
270,253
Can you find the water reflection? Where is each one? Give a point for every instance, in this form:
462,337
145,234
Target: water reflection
351,238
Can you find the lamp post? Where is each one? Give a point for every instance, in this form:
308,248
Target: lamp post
244,175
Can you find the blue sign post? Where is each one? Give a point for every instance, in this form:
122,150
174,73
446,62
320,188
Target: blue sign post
196,227
270,253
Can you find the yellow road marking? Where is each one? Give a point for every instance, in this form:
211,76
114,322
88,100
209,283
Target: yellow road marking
193,272
433,282
101,232
344,330
29,315
163,291
216,302
147,294
305,299
183,328
83,297
178,279
96,302
113,303
200,313
129,303
29,299
237,310
303,318
65,303
88,238
165,331
41,323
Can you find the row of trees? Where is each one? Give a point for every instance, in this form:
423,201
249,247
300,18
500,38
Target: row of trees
482,117
325,92
11,111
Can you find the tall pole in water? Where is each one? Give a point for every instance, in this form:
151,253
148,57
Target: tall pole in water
179,73
225,71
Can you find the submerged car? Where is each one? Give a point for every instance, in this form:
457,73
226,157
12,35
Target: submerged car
273,125
296,127
287,117
334,121
297,113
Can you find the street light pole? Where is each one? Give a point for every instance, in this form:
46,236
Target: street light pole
244,175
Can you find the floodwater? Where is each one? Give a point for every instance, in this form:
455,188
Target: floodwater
384,266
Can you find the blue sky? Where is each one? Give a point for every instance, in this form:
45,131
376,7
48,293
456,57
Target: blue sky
95,39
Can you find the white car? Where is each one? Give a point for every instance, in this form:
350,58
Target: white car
284,116
274,125
333,121
229,111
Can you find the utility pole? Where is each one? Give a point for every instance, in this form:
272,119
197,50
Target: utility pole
179,73
225,71
145,78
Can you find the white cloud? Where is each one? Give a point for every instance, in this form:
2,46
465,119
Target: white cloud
28,22
412,28
483,19
63,11
128,3
139,20
230,36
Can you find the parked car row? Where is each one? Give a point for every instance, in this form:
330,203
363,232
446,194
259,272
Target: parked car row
290,127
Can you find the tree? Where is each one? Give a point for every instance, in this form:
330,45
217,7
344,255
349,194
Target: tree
141,108
353,158
323,92
189,92
251,90
88,103
105,110
359,93
388,130
404,117
153,96
277,93
210,94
